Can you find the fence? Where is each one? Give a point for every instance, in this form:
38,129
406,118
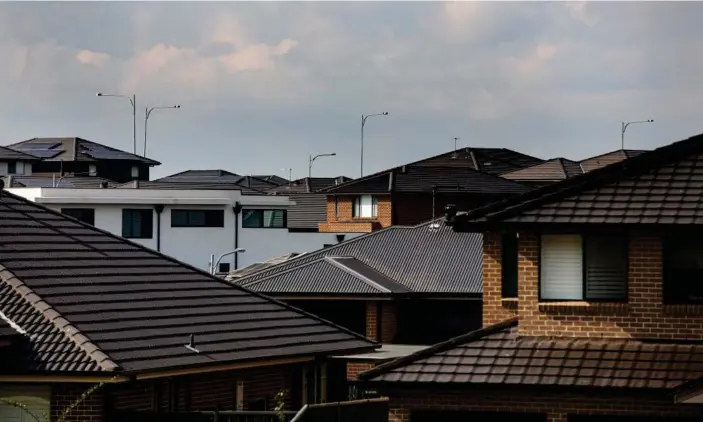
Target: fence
371,410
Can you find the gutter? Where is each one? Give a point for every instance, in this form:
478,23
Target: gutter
159,208
237,209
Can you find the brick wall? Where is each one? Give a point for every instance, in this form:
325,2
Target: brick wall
354,368
64,395
557,406
388,320
644,316
342,221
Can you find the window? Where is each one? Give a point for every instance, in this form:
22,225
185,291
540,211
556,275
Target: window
264,219
223,267
683,269
137,223
336,206
86,215
592,268
135,172
509,265
11,167
365,206
197,218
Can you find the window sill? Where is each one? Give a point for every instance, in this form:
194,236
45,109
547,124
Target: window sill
584,306
683,309
509,302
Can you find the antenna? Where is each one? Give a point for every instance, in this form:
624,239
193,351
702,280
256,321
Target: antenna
454,155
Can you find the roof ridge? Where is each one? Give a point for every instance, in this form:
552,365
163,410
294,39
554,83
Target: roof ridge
255,282
57,320
356,274
439,347
190,267
315,254
560,160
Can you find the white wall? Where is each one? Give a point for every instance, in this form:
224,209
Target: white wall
192,245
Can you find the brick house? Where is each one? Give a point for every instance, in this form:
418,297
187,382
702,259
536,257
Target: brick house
80,306
592,306
405,287
417,192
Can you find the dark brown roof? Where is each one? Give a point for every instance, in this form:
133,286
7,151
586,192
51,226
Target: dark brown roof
260,182
75,149
491,161
657,187
92,301
593,163
309,184
497,355
552,170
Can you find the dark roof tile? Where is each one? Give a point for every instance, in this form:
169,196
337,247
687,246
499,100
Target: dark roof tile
89,300
497,355
75,149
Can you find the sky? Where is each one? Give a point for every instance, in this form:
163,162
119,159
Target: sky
263,84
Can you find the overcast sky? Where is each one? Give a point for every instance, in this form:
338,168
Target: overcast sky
263,84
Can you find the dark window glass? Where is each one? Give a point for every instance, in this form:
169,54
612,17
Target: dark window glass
606,268
137,223
197,218
86,215
223,267
509,265
683,270
264,219
12,167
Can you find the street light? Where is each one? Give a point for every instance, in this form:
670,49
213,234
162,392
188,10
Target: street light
147,113
363,122
214,264
623,127
133,101
311,159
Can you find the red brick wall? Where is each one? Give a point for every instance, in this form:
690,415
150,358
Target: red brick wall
64,395
343,221
556,405
644,316
416,208
354,368
388,321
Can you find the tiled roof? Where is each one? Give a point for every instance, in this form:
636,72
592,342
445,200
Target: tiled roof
92,301
428,258
497,355
261,182
142,184
309,184
594,163
550,171
422,178
75,149
61,182
657,187
250,269
491,161
7,154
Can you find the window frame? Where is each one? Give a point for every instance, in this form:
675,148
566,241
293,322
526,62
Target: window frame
584,266
219,221
262,225
143,211
90,211
357,206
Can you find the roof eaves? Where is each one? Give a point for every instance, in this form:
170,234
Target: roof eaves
438,348
58,321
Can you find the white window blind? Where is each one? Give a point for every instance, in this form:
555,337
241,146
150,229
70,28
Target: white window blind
561,263
365,206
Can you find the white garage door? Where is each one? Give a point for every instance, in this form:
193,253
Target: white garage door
35,398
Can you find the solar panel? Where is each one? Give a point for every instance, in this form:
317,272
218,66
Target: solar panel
45,153
38,145
100,152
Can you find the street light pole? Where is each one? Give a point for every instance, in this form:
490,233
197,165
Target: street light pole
363,123
133,101
146,119
623,128
311,159
214,264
